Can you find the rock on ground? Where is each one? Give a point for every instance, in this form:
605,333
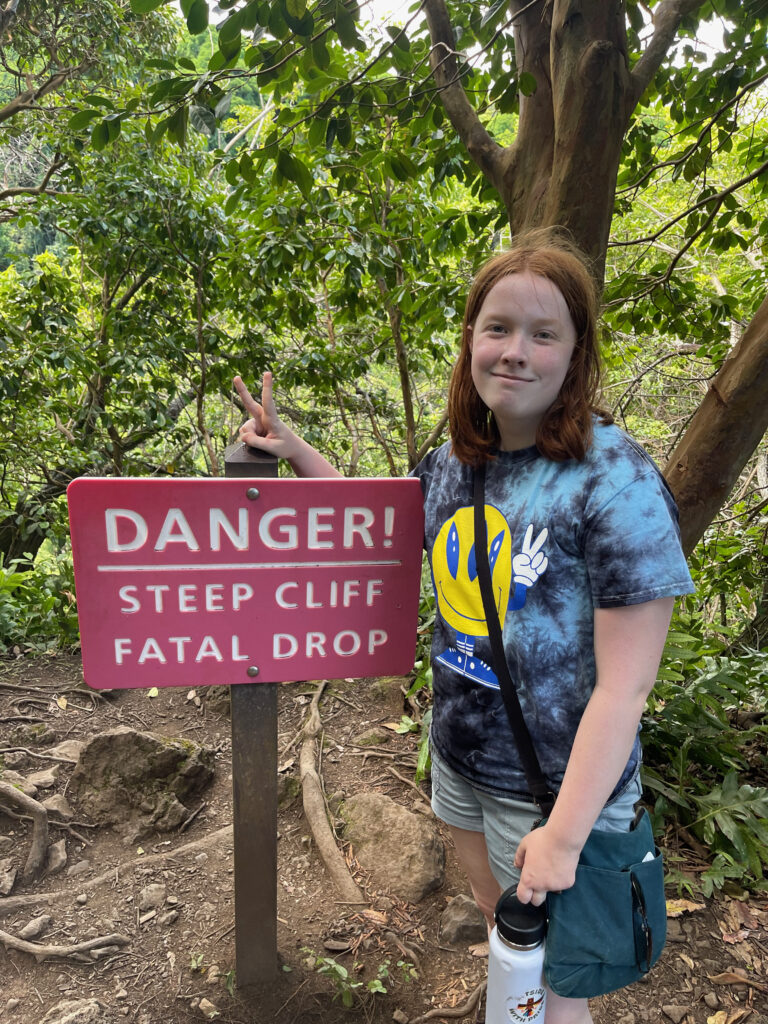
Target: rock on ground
462,922
402,850
123,775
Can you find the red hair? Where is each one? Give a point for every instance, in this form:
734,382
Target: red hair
565,431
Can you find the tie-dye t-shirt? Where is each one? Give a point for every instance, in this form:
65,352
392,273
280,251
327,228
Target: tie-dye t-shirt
564,538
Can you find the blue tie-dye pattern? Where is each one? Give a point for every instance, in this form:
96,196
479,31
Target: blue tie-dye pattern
613,540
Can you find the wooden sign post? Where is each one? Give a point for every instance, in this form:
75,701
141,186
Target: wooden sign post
247,581
253,710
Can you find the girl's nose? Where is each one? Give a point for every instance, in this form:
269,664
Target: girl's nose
514,348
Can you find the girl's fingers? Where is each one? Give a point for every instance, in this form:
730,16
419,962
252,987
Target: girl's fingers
267,402
250,403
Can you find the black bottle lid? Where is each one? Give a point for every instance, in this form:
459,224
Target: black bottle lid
521,924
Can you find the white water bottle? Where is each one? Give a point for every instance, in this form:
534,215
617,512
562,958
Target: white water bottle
516,989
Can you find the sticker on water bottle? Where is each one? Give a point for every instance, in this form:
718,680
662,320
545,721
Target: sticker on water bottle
526,1007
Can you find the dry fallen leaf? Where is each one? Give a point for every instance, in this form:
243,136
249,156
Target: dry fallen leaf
688,961
62,702
392,726
734,937
153,692
735,978
745,915
721,1017
479,950
676,908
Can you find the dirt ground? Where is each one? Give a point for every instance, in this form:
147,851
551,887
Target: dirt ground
178,965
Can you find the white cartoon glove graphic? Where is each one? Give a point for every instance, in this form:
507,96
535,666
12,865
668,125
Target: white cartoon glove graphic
531,562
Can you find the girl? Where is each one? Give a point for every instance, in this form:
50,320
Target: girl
586,561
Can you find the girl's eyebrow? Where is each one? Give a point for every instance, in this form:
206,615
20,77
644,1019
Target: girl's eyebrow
500,314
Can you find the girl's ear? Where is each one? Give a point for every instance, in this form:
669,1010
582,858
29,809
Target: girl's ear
469,337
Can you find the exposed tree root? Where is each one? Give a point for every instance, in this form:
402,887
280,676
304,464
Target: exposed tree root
40,952
39,815
34,753
456,1011
314,807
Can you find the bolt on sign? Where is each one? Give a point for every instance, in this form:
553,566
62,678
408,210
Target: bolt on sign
202,582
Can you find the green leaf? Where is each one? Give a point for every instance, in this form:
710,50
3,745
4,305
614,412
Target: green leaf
295,170
100,135
527,84
492,12
303,177
345,28
230,48
230,29
177,125
320,54
316,133
399,38
202,120
114,126
233,201
232,172
82,118
303,26
344,129
146,6
365,104
197,18
296,8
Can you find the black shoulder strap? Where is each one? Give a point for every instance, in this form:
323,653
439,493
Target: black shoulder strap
537,784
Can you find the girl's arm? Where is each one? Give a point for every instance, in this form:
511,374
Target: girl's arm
266,431
628,645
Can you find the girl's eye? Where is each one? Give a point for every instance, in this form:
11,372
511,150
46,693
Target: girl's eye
544,335
496,329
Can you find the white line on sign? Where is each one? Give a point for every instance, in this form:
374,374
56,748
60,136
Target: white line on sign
242,565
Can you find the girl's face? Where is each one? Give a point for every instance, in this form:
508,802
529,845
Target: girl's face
521,344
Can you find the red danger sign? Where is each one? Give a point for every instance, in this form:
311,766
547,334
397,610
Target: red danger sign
202,582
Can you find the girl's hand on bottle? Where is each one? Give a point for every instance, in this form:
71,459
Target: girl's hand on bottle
265,430
546,865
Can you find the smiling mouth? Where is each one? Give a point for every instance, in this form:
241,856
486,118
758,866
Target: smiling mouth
513,379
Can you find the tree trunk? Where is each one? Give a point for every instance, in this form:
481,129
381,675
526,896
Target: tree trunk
562,167
725,430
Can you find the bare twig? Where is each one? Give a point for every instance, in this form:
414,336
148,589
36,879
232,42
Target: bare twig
412,784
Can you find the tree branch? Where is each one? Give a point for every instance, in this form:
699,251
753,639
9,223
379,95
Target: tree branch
26,100
716,197
37,190
432,437
480,145
666,22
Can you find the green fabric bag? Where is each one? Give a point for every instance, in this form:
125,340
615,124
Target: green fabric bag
608,929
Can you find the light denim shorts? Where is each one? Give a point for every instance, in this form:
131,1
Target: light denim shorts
504,820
